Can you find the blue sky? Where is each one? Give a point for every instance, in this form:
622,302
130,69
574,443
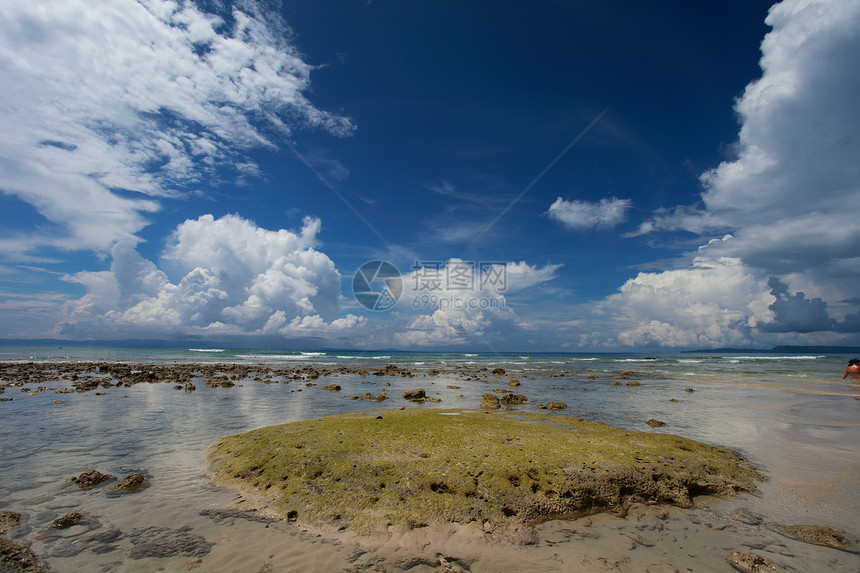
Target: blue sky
661,176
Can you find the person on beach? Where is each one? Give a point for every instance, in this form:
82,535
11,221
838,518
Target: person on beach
852,371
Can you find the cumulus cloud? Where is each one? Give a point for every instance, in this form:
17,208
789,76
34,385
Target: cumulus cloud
107,107
584,215
710,303
458,303
233,278
789,196
796,313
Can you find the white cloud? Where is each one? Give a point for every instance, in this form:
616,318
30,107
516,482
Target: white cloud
471,311
108,106
711,303
583,215
235,278
790,196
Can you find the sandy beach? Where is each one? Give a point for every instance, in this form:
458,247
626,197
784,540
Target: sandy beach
122,418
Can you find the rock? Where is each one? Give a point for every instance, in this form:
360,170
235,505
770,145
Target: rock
16,557
655,423
819,535
448,565
90,479
490,401
381,397
752,563
416,395
513,382
331,387
520,468
513,399
541,407
131,483
498,371
689,390
433,372
559,405
67,520
9,520
218,382
633,383
615,383
165,542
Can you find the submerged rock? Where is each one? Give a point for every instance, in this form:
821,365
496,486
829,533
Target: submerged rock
331,387
131,483
90,479
819,535
655,423
16,557
9,520
67,520
165,542
558,405
752,563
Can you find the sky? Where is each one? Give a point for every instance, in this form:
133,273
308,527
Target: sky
488,176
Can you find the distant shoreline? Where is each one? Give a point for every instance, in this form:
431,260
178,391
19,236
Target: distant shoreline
233,345
782,350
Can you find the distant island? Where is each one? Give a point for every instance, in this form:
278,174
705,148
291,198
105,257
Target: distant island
786,350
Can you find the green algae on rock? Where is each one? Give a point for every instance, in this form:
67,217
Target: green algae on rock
411,468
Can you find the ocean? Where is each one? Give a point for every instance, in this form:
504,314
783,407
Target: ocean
791,415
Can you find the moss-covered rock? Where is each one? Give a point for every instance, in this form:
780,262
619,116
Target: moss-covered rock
9,520
819,535
67,520
17,557
512,399
490,401
416,395
131,483
90,479
410,468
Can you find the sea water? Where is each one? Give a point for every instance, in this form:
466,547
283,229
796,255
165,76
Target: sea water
791,415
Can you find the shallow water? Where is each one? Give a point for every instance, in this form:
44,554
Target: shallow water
791,416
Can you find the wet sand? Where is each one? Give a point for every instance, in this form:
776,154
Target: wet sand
806,444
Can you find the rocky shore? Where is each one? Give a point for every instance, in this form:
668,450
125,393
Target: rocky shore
414,468
34,378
